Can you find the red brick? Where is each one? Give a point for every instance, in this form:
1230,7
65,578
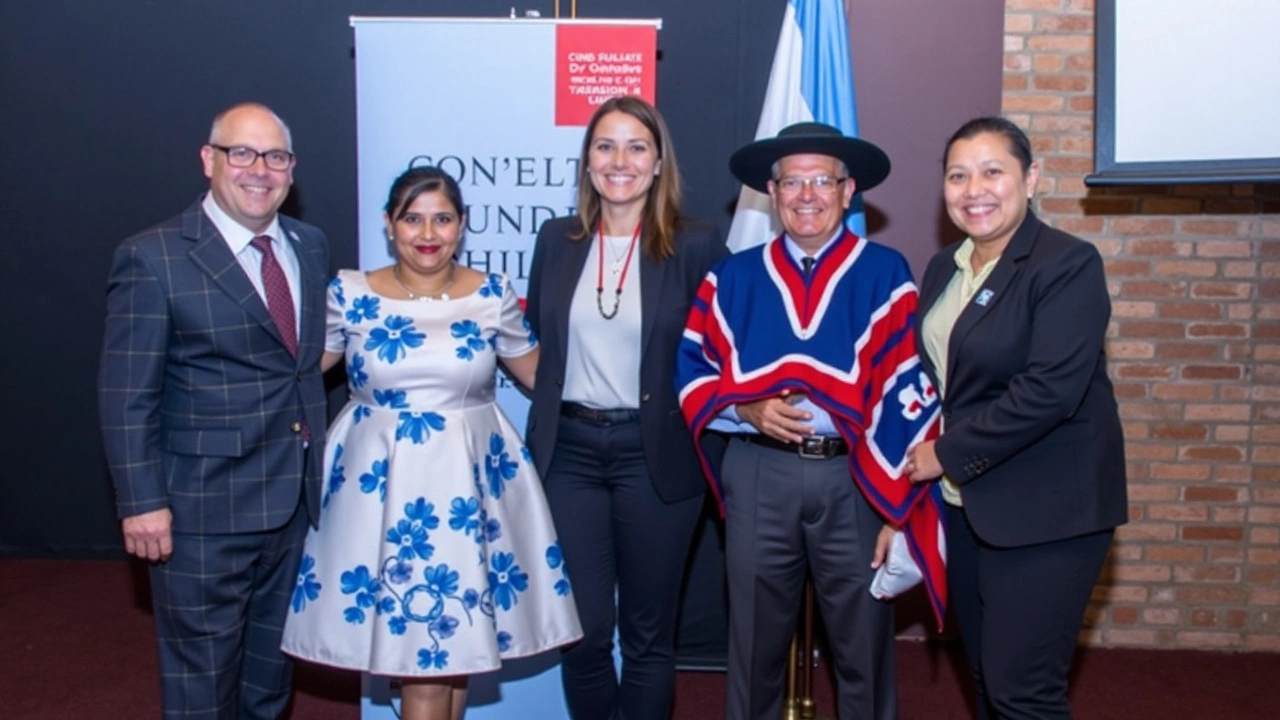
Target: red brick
1124,615
1107,205
1212,594
1085,226
1179,431
1159,247
1017,62
1218,330
1147,531
1170,206
1187,351
1059,83
1207,573
1080,63
1212,532
1034,103
1213,454
1118,267
1230,207
1018,22
1221,411
1032,5
1060,123
1064,43
1015,82
1179,471
1064,23
1148,451
1267,515
1264,556
1210,494
1165,330
1204,617
1238,291
1150,372
1043,63
1209,227
1190,310
1138,573
1162,616
1212,372
1175,554
1187,268
1142,226
1219,640
1224,248
1181,392
1152,288
1072,144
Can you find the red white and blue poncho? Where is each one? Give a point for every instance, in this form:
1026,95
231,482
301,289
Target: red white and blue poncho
847,341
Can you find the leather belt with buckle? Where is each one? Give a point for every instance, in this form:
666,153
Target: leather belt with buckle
596,416
811,447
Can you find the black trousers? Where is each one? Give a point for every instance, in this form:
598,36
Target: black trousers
1019,612
620,540
786,516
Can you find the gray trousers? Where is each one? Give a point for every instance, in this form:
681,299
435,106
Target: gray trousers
784,516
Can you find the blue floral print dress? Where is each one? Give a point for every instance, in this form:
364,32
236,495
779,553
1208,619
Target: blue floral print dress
436,553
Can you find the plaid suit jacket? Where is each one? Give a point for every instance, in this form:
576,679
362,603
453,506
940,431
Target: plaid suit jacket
201,404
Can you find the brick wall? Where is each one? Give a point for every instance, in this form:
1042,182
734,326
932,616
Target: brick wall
1194,345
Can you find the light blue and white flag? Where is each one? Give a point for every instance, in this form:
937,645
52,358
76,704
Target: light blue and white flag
812,79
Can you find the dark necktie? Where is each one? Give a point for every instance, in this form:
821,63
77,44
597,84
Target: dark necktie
806,262
279,299
280,305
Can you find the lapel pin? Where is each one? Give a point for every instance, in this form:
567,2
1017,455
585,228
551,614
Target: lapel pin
984,297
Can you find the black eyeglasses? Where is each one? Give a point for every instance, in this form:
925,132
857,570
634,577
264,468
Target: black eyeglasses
239,156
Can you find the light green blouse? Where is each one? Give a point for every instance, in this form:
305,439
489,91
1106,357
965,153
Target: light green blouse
941,319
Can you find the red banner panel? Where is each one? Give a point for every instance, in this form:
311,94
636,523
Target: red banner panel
597,62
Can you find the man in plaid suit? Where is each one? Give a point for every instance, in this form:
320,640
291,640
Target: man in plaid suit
213,416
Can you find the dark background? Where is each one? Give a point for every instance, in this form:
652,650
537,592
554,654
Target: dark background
105,105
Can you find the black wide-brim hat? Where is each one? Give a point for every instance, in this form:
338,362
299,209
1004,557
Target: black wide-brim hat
753,164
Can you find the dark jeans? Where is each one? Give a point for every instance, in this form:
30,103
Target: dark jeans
620,540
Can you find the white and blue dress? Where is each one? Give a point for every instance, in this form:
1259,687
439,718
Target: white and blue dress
436,553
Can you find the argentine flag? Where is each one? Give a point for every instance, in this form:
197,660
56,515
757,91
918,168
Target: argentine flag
812,79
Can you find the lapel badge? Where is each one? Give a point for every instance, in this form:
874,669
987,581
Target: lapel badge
984,297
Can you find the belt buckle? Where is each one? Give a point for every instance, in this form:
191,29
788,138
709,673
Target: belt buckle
813,447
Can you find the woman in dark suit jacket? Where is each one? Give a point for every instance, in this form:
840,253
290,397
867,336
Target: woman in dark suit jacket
1031,455
609,292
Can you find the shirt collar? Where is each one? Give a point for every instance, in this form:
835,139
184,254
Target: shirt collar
964,256
796,252
236,235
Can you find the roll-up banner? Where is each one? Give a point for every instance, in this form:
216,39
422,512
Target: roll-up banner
500,104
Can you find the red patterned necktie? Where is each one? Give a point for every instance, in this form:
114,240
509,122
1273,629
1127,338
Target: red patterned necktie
279,299
280,305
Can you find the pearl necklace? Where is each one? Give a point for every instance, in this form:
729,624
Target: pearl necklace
443,294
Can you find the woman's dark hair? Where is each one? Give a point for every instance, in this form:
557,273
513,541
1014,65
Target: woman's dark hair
1019,144
662,206
417,180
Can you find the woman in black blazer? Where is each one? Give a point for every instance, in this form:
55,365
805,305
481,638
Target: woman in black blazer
609,292
1031,455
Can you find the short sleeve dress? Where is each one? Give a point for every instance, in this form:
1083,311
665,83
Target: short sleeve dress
436,553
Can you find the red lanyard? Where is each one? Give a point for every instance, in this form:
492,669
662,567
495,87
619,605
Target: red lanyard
617,294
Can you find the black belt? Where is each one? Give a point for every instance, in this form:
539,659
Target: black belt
595,416
812,447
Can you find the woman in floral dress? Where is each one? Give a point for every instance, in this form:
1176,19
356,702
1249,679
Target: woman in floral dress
436,556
